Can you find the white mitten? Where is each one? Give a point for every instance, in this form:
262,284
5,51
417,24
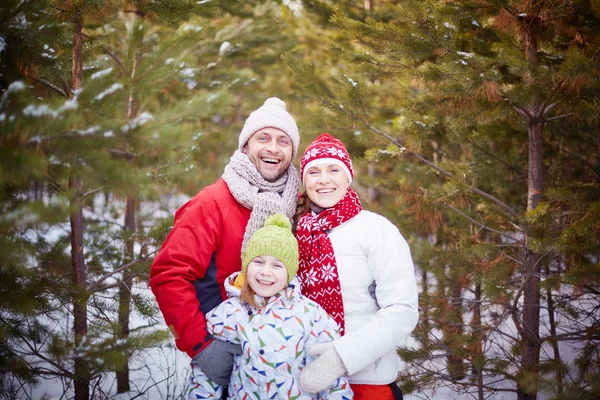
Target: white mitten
324,371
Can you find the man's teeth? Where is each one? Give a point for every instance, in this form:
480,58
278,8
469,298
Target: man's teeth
270,160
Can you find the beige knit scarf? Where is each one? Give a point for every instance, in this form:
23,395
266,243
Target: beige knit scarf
254,192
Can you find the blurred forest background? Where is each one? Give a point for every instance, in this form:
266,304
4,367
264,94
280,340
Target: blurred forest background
474,127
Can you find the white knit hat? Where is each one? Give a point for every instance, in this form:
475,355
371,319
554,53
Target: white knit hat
272,114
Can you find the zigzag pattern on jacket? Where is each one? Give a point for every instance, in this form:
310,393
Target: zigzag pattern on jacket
318,270
274,341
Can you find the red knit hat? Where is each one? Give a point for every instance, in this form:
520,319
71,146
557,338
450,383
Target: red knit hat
326,149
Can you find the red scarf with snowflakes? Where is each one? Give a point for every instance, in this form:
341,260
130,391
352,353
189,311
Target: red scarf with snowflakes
318,269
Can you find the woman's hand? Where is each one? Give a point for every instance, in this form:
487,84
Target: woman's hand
324,371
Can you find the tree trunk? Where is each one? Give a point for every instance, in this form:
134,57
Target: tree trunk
531,261
125,295
373,191
81,373
478,345
82,381
531,287
558,374
122,375
454,332
424,304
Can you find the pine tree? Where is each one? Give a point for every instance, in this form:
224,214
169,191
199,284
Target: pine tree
159,96
441,93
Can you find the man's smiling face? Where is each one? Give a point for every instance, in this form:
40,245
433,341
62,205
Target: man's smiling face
270,150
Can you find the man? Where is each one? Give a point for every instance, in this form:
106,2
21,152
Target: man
209,232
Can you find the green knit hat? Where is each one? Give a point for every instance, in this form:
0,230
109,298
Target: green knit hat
274,239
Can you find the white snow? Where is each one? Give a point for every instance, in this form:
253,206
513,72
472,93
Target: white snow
110,90
465,55
12,88
140,120
103,73
41,110
224,49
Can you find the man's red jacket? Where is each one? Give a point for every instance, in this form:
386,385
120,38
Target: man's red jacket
202,249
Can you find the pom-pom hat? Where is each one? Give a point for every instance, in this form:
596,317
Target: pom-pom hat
326,149
272,114
274,239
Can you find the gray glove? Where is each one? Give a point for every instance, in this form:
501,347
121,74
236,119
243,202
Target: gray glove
216,361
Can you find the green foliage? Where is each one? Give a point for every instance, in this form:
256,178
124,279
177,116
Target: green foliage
441,96
166,88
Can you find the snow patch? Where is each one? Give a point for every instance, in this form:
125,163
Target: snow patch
225,48
12,88
465,55
89,131
140,120
192,28
110,90
41,110
188,72
101,74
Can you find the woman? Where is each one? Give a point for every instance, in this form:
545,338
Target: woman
358,267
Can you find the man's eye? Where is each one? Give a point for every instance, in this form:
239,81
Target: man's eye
284,142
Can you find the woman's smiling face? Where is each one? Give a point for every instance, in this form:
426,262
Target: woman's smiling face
326,184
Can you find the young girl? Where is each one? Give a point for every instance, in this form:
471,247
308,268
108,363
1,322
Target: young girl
274,324
358,267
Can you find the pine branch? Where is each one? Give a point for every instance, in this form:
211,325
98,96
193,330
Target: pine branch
579,336
522,112
558,117
491,155
483,194
96,285
159,62
110,54
481,225
115,58
34,352
425,161
44,82
93,191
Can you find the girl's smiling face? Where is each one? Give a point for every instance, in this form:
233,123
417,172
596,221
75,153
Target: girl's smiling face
326,184
266,275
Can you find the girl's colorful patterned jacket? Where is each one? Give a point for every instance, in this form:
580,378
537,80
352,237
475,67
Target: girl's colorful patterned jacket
275,342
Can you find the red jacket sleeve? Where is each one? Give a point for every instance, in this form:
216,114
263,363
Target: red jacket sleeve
183,258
